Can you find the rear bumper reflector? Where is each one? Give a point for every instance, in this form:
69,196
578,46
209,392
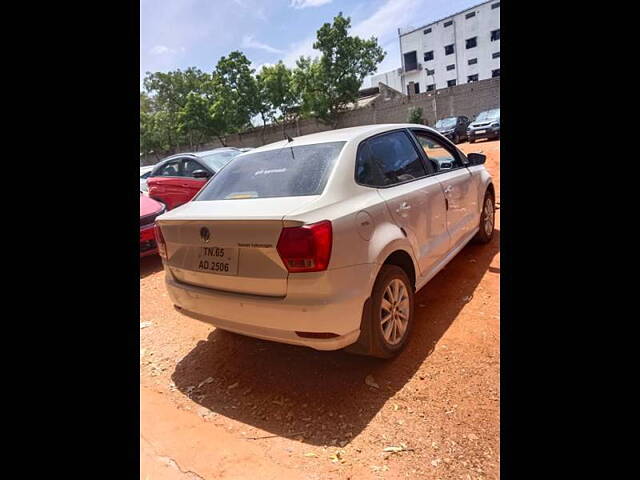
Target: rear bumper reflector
317,334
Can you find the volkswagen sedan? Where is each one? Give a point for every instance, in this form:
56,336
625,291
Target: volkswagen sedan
323,240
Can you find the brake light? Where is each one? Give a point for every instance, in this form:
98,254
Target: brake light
306,248
162,246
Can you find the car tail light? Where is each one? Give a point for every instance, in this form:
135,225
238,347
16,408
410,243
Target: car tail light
306,248
162,246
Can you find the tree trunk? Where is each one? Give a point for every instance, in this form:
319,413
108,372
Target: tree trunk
221,140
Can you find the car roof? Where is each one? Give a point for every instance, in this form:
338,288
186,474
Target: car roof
340,135
197,154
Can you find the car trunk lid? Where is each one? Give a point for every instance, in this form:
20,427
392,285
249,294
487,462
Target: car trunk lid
229,245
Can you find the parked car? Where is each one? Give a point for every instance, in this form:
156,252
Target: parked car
175,180
322,241
149,210
486,125
454,128
144,174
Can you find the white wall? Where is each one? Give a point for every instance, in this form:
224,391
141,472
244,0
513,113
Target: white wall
391,79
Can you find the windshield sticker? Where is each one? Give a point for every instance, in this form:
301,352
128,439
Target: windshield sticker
267,172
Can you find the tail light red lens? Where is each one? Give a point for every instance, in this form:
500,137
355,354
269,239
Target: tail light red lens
162,246
306,248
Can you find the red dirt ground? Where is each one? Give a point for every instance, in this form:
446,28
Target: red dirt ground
205,394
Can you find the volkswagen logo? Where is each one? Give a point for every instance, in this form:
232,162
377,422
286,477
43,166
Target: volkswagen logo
204,234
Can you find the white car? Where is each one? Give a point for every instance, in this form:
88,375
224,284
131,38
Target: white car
322,241
144,174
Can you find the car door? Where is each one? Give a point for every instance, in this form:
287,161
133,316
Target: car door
459,186
164,184
393,163
190,184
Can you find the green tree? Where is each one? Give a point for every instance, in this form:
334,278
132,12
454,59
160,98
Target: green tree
235,94
278,94
327,85
169,92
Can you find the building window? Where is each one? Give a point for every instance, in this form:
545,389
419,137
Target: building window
428,56
450,67
410,61
495,35
495,73
472,61
430,72
472,78
470,15
495,55
431,88
427,30
472,42
451,83
448,50
448,24
495,5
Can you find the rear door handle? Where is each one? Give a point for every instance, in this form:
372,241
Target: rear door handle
448,189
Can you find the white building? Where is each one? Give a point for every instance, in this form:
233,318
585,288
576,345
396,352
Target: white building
461,48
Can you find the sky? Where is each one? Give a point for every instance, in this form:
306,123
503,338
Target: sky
196,33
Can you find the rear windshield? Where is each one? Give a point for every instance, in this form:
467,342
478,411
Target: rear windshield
217,160
286,172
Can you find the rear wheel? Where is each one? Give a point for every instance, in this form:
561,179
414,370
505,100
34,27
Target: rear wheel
487,219
388,320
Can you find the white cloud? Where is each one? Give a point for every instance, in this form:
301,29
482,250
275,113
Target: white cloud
298,4
164,50
249,42
382,24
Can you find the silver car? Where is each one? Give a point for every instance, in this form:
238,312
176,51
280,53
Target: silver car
323,240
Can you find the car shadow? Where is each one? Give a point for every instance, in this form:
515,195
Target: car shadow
150,265
321,398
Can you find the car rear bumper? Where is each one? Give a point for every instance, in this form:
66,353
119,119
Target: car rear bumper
148,244
322,302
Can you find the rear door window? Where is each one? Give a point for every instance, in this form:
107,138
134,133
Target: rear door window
388,159
284,172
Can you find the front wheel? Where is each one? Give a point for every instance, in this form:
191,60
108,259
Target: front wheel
487,219
387,324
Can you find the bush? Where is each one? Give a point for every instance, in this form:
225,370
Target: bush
415,115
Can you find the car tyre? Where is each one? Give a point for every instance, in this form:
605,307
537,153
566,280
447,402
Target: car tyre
471,140
385,329
487,219
455,139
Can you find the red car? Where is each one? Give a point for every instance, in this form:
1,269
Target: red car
175,180
149,210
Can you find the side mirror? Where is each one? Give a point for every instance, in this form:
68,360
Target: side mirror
201,174
476,158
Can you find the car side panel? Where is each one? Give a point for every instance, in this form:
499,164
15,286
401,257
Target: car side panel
461,191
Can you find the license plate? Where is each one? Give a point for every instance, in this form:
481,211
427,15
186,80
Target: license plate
219,260
479,131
